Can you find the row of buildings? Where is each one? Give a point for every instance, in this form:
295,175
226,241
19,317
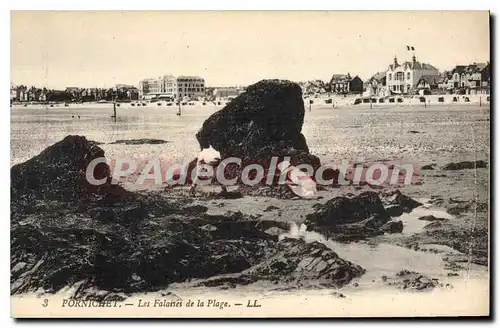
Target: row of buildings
121,92
338,84
414,77
408,77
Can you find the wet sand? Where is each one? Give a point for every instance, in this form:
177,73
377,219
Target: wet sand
446,134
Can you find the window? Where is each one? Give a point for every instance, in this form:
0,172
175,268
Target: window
390,76
408,75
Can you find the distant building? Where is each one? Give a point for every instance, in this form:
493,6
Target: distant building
13,93
344,83
163,86
74,91
443,81
473,78
127,92
314,87
376,85
403,78
427,82
190,87
172,87
227,92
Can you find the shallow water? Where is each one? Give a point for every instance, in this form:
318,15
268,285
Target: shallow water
387,260
411,223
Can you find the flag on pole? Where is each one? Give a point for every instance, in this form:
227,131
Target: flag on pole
408,48
413,48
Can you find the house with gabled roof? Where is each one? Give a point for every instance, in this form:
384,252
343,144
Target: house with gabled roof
376,85
470,78
344,83
402,78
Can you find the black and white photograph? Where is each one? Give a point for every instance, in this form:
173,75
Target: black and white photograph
250,164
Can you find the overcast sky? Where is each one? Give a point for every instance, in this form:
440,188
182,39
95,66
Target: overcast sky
87,49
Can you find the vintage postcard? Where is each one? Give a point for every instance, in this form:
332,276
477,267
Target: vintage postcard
249,164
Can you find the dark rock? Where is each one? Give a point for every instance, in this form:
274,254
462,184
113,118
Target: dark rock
412,280
271,208
428,167
465,165
350,219
413,131
297,262
395,197
341,210
392,227
141,242
394,210
431,218
265,121
139,142
59,173
134,253
436,200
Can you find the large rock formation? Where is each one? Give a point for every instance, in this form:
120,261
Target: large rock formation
137,241
264,121
295,262
59,173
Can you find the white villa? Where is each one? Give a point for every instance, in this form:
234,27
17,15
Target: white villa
403,78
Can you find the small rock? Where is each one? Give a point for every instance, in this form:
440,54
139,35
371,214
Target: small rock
139,142
392,227
394,210
465,165
431,218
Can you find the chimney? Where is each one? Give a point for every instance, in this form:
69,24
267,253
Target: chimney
414,59
395,61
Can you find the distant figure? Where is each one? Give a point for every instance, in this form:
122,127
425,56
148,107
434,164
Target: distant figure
72,116
78,116
208,156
